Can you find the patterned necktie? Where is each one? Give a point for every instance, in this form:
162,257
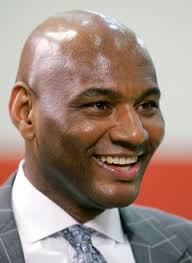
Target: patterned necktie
79,237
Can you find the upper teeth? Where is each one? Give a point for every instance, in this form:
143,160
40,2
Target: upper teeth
119,160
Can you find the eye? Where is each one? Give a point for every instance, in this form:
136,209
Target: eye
148,107
98,108
101,105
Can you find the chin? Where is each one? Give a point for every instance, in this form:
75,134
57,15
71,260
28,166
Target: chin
118,199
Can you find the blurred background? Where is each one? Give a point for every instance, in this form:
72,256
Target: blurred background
165,27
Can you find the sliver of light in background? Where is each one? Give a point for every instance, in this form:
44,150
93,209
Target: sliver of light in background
166,185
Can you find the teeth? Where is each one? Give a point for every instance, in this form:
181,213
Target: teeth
116,160
122,160
119,160
103,159
109,159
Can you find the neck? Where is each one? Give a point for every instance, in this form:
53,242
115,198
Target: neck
80,211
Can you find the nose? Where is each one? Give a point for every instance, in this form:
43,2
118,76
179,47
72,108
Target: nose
128,128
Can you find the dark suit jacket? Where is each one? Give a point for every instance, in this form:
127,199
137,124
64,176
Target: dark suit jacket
155,237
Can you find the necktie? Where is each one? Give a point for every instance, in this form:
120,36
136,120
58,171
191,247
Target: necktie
79,237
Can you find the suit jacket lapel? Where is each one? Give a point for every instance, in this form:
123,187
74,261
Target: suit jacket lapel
150,241
10,245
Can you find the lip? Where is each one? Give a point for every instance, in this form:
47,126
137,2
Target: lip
126,173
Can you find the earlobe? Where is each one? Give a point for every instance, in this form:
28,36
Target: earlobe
21,110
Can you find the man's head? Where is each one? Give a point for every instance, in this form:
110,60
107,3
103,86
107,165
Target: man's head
86,101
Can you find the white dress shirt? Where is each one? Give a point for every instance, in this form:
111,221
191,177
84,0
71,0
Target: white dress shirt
40,222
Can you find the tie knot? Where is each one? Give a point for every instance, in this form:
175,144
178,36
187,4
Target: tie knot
78,235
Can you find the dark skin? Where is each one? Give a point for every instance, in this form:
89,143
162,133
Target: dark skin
86,88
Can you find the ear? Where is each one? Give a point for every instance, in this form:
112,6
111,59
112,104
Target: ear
21,110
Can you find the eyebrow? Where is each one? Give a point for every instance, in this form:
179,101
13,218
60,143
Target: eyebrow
99,91
150,92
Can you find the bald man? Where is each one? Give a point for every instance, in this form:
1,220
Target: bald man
86,102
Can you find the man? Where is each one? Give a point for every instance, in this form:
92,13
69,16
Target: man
86,101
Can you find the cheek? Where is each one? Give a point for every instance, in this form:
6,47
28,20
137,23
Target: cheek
155,129
89,131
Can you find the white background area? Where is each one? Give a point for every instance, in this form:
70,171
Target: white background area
165,26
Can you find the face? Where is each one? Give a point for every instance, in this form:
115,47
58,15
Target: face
97,124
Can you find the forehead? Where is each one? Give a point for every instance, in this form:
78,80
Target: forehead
67,60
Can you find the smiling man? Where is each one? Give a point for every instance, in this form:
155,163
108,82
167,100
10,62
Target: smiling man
86,102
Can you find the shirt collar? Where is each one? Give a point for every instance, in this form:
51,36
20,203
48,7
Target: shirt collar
38,217
109,224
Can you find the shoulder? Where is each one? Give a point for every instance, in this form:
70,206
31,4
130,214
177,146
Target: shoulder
164,217
164,220
157,213
6,194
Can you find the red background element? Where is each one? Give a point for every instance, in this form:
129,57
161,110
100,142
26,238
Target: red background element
167,184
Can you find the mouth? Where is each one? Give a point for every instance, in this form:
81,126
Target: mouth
125,168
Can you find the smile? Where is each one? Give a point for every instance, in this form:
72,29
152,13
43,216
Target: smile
118,160
123,168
